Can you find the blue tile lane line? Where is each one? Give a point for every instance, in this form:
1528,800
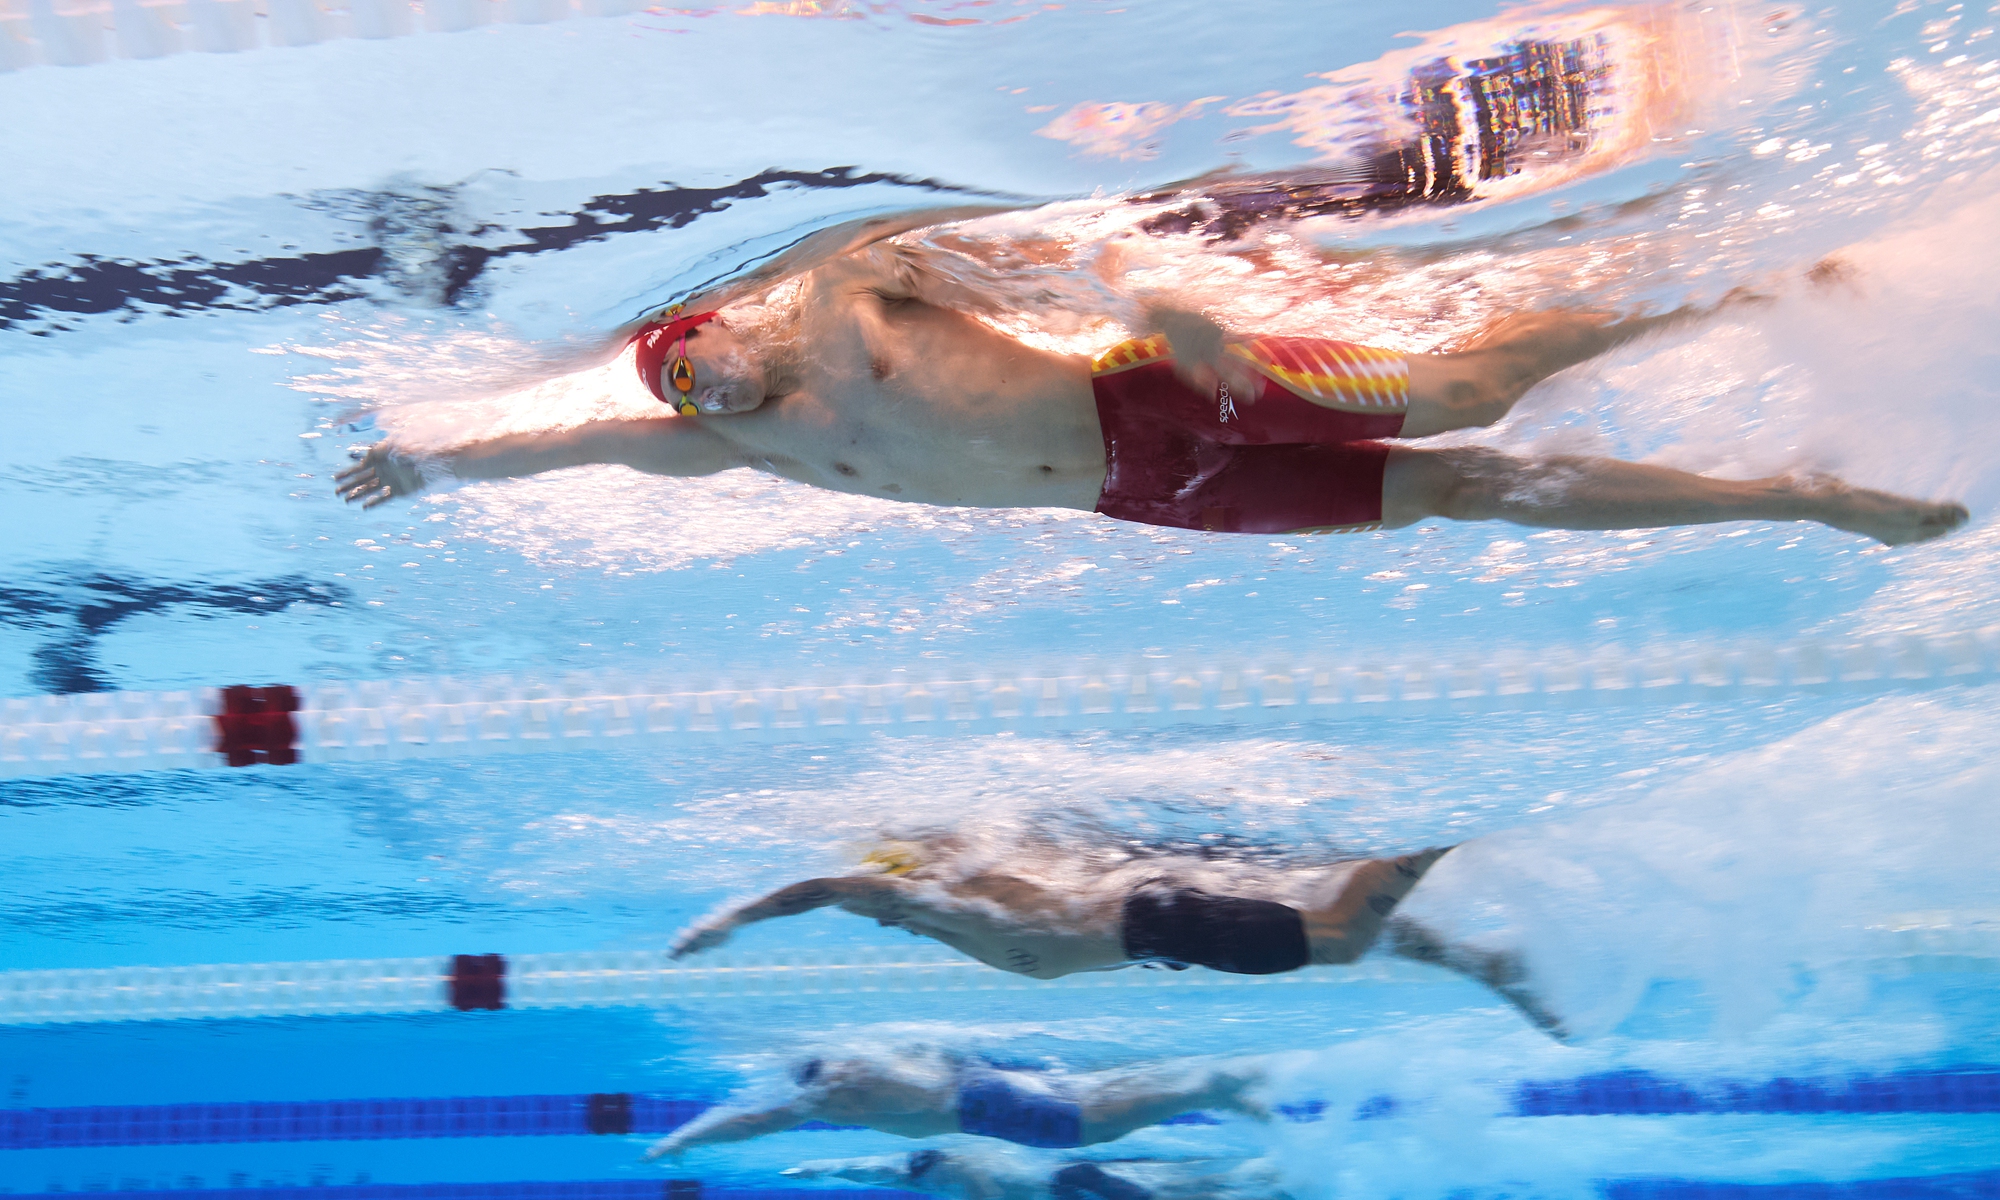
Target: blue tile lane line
1621,1093
1980,1186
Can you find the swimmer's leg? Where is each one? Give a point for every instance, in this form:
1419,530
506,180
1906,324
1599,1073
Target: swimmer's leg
1564,492
1341,929
1500,970
1481,384
1117,1102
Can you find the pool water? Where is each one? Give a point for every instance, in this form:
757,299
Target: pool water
223,270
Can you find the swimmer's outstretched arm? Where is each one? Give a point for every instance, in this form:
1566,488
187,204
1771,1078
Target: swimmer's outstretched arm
868,895
721,1125
656,445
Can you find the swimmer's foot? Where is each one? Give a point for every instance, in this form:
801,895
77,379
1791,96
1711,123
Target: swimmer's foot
1888,518
1502,970
1228,1090
1506,974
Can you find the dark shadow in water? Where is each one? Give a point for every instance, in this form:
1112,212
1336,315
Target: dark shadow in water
451,259
93,285
142,789
79,611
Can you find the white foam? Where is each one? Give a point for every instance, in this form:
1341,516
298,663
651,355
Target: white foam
1756,879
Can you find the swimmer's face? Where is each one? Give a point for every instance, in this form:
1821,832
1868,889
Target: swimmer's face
727,376
834,1074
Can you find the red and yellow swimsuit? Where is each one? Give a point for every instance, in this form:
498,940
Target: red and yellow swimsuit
1296,457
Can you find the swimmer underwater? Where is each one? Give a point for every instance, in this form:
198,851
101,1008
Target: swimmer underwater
924,1091
1018,917
876,380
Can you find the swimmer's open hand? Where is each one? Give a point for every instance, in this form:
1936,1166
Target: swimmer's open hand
380,476
1198,345
697,938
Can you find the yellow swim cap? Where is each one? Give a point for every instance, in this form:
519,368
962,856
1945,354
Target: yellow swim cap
894,858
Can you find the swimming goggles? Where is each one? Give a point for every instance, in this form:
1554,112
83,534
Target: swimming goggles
680,373
672,382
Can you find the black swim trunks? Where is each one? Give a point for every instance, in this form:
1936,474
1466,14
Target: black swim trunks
1222,933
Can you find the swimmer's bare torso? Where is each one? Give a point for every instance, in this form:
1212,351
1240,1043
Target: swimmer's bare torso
1046,931
888,395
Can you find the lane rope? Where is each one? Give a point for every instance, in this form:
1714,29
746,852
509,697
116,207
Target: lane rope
446,718
590,979
70,34
1923,943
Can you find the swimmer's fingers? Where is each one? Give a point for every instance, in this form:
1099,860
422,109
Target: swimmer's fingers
664,1148
358,485
1200,376
1240,376
365,477
380,476
701,937
368,489
1211,377
358,479
1201,356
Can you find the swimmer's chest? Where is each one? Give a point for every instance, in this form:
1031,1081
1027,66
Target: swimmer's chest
938,408
911,364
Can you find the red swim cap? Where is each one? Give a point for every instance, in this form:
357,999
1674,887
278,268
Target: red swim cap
653,344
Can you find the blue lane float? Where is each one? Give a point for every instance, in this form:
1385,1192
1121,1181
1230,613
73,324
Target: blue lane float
1640,1093
1618,1093
1980,1185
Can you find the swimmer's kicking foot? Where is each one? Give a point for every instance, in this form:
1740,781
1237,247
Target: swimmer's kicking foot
1146,912
1502,970
1888,518
870,377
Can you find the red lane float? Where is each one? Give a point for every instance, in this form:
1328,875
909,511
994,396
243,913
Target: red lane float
477,981
256,725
